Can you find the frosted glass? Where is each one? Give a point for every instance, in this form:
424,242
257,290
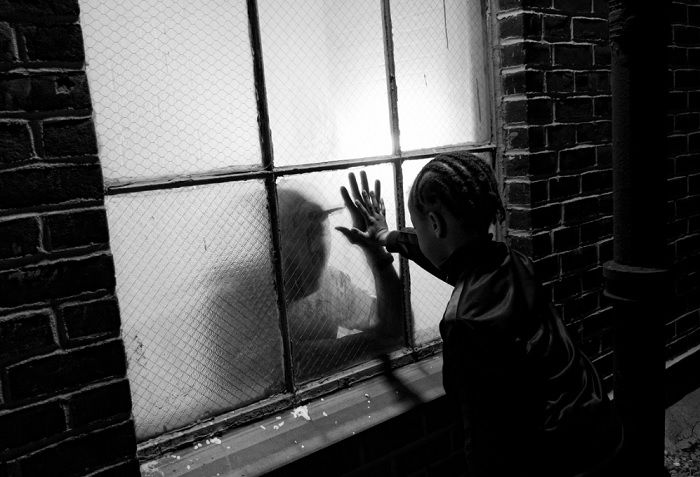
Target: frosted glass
171,85
342,292
440,72
326,79
429,295
198,307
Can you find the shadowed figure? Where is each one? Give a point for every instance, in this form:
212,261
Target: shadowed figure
332,321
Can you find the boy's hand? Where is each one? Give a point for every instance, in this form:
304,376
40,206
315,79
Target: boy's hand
369,227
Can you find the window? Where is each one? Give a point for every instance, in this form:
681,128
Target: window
225,130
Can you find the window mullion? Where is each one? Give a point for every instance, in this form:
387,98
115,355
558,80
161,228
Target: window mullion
270,186
398,175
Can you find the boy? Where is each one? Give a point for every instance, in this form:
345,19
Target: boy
531,403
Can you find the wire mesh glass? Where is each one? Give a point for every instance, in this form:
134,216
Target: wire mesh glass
196,293
325,78
440,72
172,86
330,288
429,295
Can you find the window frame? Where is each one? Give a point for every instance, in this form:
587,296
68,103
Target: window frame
295,393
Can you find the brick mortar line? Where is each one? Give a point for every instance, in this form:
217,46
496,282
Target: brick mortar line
39,214
48,261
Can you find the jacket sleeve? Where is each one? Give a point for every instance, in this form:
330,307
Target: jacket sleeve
405,242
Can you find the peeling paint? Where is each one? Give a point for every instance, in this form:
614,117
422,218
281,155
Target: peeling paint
302,411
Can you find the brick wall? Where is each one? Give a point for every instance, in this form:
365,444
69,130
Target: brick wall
424,442
556,166
65,406
683,172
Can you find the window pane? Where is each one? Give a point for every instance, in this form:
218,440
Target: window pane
171,85
325,78
429,295
329,285
198,307
440,72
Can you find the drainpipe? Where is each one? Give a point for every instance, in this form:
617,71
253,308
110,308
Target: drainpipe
637,279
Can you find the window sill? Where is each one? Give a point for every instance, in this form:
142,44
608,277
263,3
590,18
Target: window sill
279,439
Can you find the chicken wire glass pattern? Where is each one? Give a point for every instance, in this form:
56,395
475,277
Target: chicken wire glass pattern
429,295
329,302
171,85
440,72
325,78
196,293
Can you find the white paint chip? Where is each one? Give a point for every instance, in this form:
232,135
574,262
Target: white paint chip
302,411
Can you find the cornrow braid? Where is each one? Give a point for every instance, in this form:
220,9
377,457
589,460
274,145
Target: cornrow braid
464,184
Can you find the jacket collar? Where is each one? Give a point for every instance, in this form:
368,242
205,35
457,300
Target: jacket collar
472,256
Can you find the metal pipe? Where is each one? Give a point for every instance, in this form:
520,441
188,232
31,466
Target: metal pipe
637,278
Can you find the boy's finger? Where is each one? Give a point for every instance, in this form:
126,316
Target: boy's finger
368,202
378,189
363,178
375,203
361,207
353,186
383,207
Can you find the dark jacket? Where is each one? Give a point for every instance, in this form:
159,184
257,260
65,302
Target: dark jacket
531,403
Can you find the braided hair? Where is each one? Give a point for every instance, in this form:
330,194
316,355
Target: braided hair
464,184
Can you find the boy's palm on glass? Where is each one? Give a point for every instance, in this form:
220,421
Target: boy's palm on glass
369,227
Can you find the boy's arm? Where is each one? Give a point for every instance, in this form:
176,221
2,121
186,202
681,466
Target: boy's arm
405,242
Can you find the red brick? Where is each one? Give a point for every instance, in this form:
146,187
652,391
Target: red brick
573,110
64,10
26,335
557,28
542,163
601,55
91,320
595,132
566,238
45,92
62,43
41,283
20,237
590,29
73,137
686,35
579,210
561,136
15,143
525,53
528,81
579,258
527,25
83,454
30,424
104,403
573,56
64,371
572,6
74,229
592,82
595,181
8,47
42,185
577,159
566,288
545,216
560,81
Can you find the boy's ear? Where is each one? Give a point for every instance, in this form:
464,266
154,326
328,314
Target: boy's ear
437,224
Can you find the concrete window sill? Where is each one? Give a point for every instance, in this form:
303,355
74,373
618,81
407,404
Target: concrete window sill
277,440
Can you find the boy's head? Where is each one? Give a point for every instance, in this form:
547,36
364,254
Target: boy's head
453,201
